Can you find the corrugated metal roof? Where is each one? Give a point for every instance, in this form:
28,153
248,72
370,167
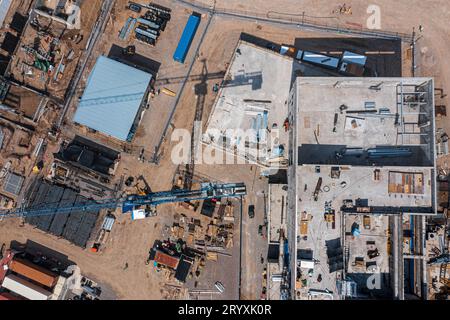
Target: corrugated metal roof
112,98
13,183
4,8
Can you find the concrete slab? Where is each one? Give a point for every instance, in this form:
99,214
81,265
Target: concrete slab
257,81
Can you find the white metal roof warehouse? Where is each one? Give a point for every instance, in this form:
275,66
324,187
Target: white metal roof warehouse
112,98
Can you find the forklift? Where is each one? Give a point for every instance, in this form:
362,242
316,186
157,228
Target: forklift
142,186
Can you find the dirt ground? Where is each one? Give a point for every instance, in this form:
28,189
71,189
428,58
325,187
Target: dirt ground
131,241
397,16
46,82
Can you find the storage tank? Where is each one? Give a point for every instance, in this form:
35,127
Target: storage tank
33,272
24,288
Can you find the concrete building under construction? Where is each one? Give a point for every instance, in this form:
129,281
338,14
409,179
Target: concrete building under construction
362,155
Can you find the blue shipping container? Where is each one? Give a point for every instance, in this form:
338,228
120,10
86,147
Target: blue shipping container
186,39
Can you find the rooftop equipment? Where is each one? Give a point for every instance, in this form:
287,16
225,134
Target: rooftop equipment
186,38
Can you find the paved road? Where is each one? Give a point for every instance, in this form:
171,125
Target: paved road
253,245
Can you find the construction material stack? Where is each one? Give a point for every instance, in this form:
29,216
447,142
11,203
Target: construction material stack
152,23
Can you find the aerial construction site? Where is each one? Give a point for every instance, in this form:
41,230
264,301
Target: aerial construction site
224,150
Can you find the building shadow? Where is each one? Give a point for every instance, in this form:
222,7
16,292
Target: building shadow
136,60
42,255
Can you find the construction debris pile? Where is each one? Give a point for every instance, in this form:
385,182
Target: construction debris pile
28,274
45,56
219,234
193,240
438,245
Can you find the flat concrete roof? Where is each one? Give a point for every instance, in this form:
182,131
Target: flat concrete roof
359,183
338,113
258,81
376,114
333,117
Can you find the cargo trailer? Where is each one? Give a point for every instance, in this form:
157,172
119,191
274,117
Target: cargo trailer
153,31
146,33
145,39
186,38
149,23
25,289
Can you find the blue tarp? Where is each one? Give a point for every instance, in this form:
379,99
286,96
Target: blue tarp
186,38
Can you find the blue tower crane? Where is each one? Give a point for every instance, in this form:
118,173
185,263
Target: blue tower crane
128,203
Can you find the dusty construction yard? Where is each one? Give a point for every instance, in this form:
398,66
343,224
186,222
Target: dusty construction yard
131,241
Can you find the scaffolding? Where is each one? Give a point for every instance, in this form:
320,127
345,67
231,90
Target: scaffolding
410,100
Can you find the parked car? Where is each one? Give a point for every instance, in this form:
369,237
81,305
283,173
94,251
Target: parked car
251,211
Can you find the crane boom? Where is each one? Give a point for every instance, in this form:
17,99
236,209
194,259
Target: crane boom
206,191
